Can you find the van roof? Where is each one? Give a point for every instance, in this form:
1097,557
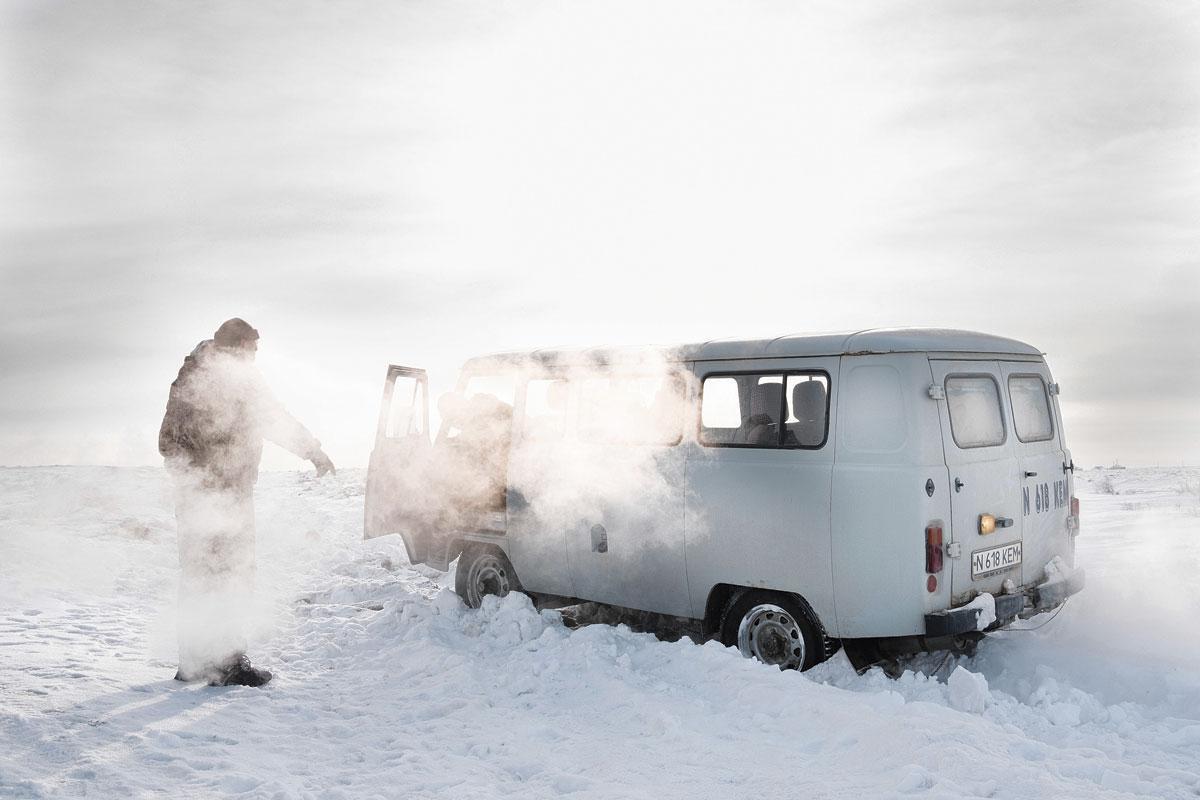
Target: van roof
872,340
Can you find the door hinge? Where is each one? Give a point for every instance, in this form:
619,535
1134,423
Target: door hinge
1054,389
936,392
954,549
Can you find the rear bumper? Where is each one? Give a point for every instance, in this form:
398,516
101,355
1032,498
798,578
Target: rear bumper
1051,595
1034,600
954,621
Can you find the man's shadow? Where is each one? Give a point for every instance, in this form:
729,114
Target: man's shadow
81,751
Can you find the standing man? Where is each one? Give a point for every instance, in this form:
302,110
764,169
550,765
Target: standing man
219,412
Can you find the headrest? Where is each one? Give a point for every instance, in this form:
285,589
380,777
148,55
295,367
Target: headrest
766,398
808,400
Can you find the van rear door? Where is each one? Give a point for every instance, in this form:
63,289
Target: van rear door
984,477
1038,442
397,498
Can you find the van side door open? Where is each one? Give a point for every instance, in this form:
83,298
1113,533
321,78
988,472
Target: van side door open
985,497
398,490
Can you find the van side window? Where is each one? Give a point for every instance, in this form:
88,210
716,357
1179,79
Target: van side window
486,401
634,409
975,416
765,410
407,408
545,408
1031,408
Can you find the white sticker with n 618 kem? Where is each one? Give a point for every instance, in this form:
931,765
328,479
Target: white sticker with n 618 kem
995,559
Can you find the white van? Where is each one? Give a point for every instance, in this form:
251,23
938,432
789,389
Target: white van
889,490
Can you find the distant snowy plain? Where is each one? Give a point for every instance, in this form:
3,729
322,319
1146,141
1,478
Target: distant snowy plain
386,687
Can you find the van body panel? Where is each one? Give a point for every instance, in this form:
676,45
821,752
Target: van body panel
930,341
616,534
537,540
759,517
628,549
537,543
888,455
1045,485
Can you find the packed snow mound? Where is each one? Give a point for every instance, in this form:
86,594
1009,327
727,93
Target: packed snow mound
388,686
968,690
985,605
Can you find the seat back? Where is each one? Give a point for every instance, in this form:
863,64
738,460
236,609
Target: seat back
762,426
808,406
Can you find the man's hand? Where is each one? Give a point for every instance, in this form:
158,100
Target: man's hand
322,463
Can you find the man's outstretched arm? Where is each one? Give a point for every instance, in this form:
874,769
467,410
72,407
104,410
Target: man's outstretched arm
281,428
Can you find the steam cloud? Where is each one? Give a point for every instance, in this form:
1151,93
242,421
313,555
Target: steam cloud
594,446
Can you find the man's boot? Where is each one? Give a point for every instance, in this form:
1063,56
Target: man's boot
240,672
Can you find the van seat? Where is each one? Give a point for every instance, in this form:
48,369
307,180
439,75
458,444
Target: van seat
808,406
762,426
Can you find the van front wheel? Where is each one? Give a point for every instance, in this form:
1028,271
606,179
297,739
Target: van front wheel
483,571
772,628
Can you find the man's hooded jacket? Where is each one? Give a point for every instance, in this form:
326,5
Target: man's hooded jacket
219,412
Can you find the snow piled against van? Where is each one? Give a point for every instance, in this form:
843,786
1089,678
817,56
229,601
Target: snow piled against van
387,687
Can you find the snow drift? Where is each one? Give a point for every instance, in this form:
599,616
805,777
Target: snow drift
386,686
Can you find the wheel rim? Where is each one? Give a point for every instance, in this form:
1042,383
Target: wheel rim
489,575
773,636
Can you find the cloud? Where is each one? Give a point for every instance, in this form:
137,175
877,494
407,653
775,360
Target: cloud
424,182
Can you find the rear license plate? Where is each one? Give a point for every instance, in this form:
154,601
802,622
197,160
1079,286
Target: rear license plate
995,559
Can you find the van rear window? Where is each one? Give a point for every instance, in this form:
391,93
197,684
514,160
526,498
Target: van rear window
1031,408
976,419
632,409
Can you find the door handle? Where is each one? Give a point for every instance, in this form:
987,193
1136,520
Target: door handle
599,539
1004,522
958,484
1030,474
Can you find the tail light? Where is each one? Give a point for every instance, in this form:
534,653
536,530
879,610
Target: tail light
1073,519
933,548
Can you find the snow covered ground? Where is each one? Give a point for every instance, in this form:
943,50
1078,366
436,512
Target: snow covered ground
386,687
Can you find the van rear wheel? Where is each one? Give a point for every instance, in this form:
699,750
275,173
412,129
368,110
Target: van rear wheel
483,571
772,628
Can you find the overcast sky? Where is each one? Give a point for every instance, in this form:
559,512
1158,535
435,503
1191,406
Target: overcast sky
420,182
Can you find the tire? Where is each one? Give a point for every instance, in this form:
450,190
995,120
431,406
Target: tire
483,571
774,628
